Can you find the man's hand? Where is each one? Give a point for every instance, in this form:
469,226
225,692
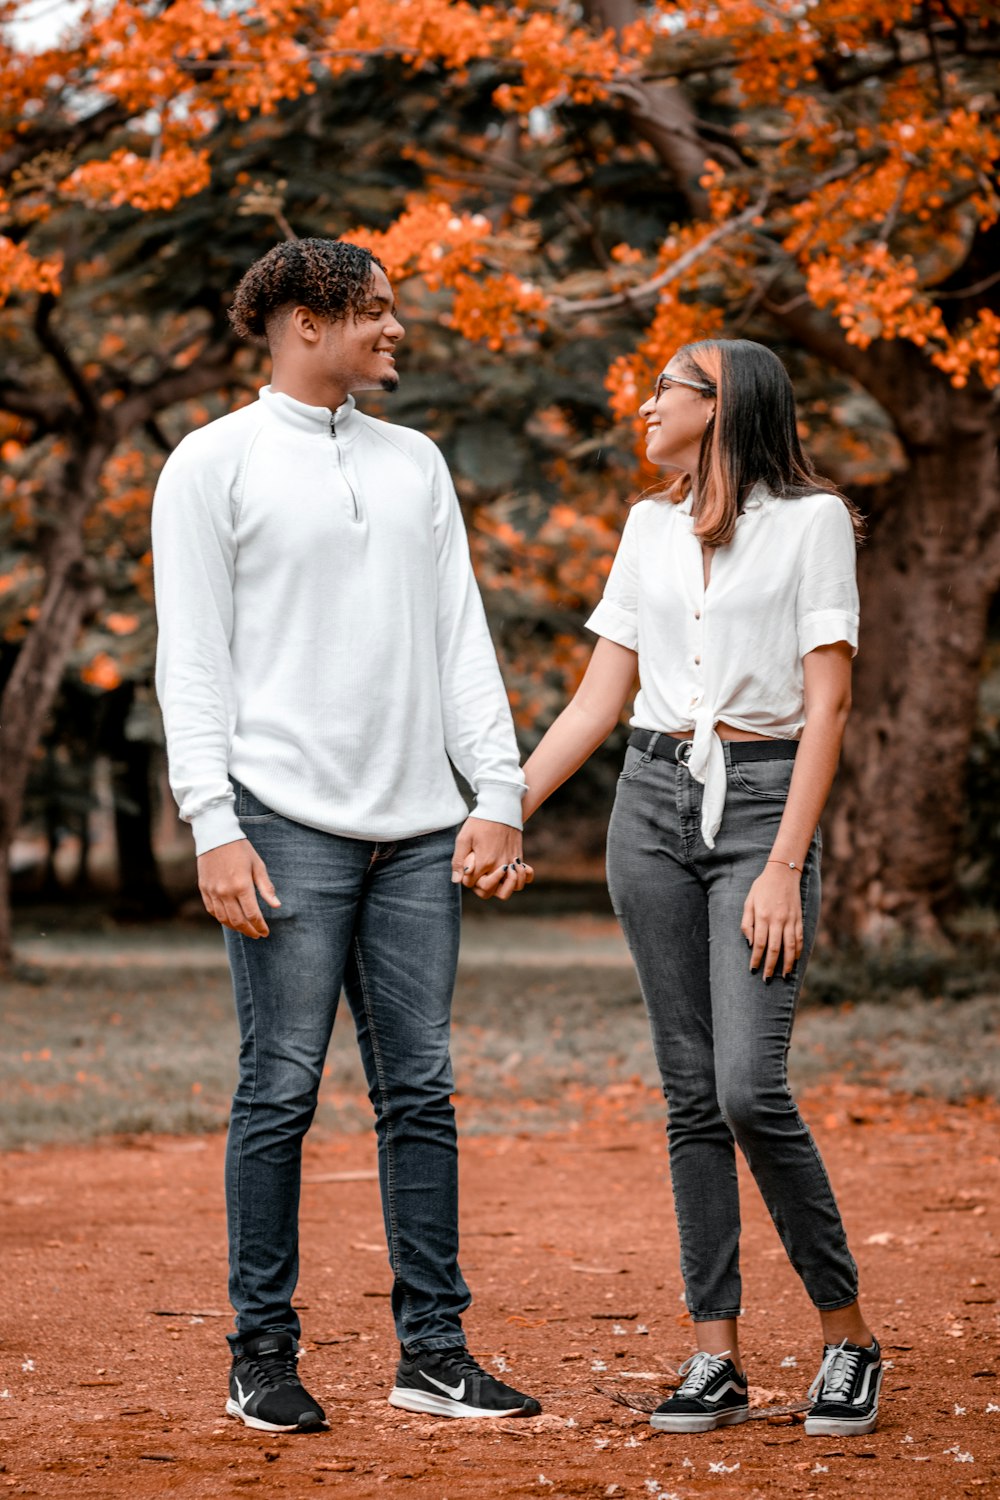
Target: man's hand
227,876
487,859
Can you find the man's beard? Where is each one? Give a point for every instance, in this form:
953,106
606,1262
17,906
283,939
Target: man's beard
390,381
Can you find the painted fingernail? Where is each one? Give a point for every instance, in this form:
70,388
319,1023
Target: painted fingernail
754,970
767,981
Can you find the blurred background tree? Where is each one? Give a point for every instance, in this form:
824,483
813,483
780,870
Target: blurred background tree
564,193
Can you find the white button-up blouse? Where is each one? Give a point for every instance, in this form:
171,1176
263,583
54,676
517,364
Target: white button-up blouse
733,651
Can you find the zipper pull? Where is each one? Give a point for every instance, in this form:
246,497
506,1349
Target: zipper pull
333,425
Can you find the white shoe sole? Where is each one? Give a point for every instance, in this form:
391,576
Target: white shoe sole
233,1409
440,1406
840,1426
688,1422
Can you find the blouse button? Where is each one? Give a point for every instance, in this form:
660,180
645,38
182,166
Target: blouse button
697,661
697,614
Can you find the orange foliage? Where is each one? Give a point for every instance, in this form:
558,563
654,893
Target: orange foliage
102,672
140,181
120,624
911,154
428,239
870,197
20,271
496,308
558,63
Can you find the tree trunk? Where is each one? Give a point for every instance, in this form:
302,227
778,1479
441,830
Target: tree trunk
140,890
927,577
660,113
30,690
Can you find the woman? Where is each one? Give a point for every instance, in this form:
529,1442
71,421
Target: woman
734,593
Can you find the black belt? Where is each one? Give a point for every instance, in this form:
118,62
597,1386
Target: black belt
668,748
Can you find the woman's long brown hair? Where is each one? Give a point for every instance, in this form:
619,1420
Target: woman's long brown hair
752,437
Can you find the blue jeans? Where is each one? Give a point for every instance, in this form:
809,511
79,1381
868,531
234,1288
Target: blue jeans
381,921
720,1035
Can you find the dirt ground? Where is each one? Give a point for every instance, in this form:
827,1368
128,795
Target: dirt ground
113,1366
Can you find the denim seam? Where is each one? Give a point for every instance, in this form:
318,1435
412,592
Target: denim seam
238,1228
390,1174
437,1342
640,765
689,828
836,1306
245,817
752,791
799,977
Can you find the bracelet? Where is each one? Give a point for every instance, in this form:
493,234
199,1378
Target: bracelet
789,864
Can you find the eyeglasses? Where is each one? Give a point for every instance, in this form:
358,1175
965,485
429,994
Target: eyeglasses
664,379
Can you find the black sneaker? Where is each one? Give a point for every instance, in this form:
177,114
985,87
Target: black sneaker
845,1392
712,1394
265,1390
449,1383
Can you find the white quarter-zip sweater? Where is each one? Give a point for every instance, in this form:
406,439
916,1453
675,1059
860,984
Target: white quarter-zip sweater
321,635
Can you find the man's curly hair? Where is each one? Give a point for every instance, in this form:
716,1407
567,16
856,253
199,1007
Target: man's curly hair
330,277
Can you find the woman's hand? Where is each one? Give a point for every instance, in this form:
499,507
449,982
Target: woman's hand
772,920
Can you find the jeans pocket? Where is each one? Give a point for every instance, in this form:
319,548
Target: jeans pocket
766,779
635,761
250,809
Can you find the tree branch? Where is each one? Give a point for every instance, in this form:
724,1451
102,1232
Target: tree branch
213,370
157,436
62,138
660,113
59,354
876,368
648,289
46,412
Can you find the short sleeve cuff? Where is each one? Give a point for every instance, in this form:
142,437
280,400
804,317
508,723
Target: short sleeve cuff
827,626
615,624
499,802
217,824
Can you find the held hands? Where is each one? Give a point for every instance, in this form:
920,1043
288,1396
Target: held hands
227,877
488,859
772,920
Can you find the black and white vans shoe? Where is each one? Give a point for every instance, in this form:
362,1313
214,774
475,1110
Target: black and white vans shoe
712,1394
845,1391
449,1383
265,1390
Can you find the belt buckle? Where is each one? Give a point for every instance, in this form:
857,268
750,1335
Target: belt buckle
679,755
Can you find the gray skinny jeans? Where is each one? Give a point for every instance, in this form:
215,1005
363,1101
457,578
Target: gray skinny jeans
720,1034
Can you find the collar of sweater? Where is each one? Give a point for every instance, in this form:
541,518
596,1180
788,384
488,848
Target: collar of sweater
314,421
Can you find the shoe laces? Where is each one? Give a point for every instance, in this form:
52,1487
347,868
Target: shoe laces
275,1369
461,1360
699,1370
836,1373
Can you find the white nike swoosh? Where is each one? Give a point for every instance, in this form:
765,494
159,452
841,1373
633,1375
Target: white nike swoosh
240,1396
455,1391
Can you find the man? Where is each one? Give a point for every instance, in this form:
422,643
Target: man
323,656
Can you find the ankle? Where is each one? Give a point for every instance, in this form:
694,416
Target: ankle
727,1352
846,1323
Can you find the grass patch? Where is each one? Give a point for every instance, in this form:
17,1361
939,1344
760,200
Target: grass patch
128,1049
